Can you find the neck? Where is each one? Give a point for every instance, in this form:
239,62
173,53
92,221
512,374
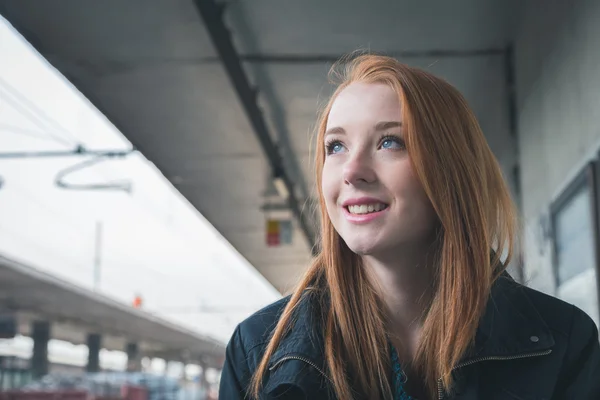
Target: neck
405,279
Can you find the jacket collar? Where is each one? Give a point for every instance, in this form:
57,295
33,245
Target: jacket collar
305,338
302,346
510,327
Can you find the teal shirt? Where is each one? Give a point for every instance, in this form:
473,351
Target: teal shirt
398,378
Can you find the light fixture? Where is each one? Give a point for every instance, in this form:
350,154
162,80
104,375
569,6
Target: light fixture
282,189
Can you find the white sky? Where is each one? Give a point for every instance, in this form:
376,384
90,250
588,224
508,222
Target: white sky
154,242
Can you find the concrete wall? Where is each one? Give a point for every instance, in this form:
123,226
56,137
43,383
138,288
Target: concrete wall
558,99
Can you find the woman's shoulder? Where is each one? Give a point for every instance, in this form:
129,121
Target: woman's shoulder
563,318
560,330
257,328
550,321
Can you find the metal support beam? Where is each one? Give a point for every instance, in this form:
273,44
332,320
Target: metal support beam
319,58
296,59
511,105
511,88
212,15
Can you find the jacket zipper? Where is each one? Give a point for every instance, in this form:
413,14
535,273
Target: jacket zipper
439,382
286,358
490,358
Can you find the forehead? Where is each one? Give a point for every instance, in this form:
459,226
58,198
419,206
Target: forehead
364,103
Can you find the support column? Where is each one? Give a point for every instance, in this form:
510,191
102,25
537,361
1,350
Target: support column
133,357
94,344
40,334
203,381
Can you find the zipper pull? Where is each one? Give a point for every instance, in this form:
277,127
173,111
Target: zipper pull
440,388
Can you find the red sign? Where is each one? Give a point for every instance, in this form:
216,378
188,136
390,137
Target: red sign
137,302
273,237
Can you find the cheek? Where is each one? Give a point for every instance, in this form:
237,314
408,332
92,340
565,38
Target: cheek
420,202
329,186
327,180
409,187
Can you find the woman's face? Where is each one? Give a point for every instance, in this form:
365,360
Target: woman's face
373,198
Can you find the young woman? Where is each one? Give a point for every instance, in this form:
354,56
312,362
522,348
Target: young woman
407,298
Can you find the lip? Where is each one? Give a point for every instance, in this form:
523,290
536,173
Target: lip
360,201
362,218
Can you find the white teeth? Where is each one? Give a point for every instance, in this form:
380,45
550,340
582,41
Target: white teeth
366,208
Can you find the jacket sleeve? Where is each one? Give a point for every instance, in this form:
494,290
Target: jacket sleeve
581,377
235,376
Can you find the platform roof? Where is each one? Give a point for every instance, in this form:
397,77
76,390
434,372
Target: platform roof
75,311
178,78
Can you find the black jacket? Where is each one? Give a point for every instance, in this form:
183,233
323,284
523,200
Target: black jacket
528,346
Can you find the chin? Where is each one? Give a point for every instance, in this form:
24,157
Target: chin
362,248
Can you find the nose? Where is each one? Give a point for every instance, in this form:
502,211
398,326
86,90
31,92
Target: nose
358,170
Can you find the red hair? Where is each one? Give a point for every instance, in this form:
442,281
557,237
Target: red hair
464,183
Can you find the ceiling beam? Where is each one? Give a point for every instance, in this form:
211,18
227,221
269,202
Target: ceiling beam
212,15
317,58
297,59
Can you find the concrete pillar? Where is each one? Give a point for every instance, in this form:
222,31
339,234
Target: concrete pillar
133,357
40,334
94,344
203,381
2,373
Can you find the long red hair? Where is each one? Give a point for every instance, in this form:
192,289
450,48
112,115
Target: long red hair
461,177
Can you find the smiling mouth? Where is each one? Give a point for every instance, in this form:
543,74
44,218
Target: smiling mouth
366,208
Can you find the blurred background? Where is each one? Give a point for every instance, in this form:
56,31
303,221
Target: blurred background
156,180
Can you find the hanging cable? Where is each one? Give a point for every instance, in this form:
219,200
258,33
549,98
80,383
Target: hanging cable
99,156
123,185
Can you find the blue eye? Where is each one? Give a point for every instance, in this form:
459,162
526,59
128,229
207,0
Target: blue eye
334,147
392,143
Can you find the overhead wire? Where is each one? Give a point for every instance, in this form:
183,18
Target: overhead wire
38,116
29,110
41,119
57,134
25,132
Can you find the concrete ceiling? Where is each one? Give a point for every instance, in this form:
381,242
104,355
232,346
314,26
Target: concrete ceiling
151,68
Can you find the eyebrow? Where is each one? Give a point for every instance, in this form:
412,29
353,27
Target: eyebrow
380,126
335,130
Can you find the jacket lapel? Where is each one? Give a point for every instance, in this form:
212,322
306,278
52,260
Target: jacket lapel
299,359
511,328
